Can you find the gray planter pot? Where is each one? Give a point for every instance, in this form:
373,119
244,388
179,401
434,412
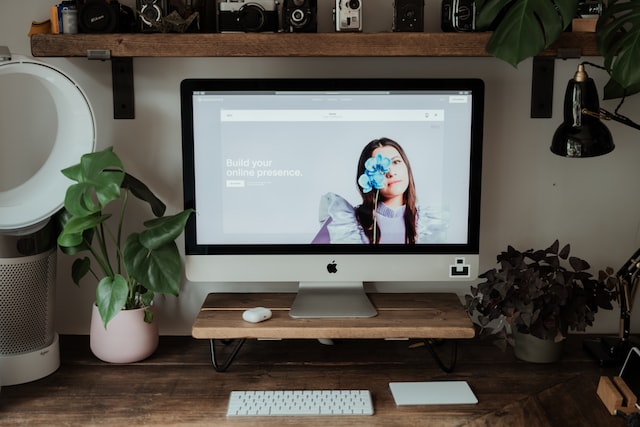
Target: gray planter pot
533,349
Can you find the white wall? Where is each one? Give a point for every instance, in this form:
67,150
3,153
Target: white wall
530,197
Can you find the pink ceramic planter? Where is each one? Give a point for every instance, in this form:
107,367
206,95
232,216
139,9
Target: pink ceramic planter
126,339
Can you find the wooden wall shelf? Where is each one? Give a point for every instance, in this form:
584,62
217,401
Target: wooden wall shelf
121,48
288,45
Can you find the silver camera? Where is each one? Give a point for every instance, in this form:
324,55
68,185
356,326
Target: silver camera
348,15
248,16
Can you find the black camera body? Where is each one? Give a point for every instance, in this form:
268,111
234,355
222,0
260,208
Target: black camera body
104,16
408,15
458,15
248,16
150,12
300,16
590,9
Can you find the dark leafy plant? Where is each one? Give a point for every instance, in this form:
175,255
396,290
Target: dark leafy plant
544,293
145,263
524,28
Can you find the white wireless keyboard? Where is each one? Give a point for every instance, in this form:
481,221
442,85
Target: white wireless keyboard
299,402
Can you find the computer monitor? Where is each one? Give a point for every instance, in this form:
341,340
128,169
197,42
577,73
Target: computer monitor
275,170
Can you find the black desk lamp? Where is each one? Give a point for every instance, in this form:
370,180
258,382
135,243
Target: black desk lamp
582,134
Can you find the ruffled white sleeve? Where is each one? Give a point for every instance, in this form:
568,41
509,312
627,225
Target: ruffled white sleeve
432,225
340,217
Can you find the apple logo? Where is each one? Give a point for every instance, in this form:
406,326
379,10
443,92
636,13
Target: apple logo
332,267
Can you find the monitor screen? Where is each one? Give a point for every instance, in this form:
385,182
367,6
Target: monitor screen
331,183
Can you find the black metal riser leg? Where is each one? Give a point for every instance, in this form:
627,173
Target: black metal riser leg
214,359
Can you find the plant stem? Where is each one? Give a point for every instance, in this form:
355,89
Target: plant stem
104,261
375,219
119,235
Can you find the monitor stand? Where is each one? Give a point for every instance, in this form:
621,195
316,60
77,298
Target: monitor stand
331,300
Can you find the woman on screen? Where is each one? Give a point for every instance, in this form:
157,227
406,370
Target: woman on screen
389,213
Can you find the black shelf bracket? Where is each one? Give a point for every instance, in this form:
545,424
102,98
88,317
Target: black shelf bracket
542,82
121,82
542,87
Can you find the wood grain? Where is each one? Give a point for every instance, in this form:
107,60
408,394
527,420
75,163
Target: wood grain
436,315
288,45
178,387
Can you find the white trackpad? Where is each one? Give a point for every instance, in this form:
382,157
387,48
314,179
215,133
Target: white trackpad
432,393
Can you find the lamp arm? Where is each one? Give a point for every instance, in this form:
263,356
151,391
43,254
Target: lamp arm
604,114
625,308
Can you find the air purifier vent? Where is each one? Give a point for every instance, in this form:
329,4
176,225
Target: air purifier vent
27,287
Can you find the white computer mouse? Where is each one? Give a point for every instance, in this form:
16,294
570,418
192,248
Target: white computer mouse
257,314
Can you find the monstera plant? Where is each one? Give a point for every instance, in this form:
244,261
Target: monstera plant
524,28
129,270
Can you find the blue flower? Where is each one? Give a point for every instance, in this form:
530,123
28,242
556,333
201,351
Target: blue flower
376,169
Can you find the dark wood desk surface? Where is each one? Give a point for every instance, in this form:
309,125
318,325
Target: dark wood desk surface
178,386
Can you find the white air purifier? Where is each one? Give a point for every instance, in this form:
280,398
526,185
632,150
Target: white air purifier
36,97
28,343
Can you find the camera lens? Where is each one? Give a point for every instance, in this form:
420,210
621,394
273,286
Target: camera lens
464,13
353,4
297,16
150,14
251,17
95,17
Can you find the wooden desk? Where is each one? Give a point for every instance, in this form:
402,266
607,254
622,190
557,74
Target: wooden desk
424,315
178,387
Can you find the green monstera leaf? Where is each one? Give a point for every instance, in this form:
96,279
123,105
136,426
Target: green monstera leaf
618,35
111,297
525,28
152,257
98,177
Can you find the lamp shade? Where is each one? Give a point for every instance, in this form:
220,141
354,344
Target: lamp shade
581,135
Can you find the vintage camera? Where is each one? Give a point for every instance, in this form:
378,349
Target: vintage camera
347,15
408,15
248,16
300,16
458,15
105,16
150,12
205,22
590,9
